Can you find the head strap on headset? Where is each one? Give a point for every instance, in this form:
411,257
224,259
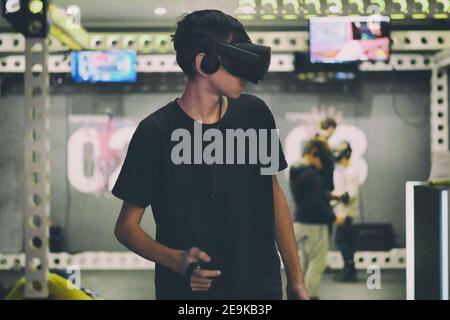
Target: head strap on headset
242,59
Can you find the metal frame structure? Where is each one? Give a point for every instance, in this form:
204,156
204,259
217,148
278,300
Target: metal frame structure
98,260
286,41
439,102
37,167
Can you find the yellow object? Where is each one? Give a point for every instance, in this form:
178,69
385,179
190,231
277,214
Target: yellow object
57,287
340,218
65,30
36,6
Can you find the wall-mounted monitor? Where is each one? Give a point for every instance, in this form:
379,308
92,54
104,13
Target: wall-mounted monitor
349,39
104,66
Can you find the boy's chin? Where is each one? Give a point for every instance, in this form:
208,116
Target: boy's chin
235,95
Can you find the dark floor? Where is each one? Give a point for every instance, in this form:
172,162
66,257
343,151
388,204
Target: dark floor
138,284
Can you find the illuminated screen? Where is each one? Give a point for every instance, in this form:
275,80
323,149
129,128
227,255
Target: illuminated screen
349,39
104,66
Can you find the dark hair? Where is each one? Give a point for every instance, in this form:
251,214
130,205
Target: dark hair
345,152
316,145
328,123
195,28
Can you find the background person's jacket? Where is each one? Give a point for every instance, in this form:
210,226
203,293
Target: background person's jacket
310,195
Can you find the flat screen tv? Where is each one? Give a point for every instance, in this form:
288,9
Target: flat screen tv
104,66
349,39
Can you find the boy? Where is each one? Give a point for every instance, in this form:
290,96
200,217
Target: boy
216,223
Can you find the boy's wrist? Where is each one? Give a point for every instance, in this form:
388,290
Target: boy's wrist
175,260
294,278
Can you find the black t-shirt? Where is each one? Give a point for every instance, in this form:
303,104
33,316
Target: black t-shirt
224,209
310,194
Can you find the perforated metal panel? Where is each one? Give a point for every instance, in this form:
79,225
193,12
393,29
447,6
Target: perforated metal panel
401,62
280,41
60,63
394,259
37,168
439,115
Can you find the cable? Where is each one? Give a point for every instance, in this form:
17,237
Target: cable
213,193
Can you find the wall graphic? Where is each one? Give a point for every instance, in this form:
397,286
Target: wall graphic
306,127
96,149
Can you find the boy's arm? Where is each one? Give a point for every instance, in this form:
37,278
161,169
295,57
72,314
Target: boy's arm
132,236
287,245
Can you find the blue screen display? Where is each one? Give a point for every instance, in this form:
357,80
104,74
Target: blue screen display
104,66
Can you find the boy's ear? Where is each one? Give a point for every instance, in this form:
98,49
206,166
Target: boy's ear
198,62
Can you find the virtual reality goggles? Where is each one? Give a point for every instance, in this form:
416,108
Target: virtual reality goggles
242,59
245,60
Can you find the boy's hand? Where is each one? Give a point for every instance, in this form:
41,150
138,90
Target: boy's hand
200,279
340,219
297,291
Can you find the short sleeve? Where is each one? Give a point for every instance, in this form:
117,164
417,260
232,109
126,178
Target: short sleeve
137,181
270,124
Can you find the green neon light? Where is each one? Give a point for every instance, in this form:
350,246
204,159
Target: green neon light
381,4
36,6
403,5
440,16
425,4
289,17
246,8
316,3
335,3
245,17
397,16
419,16
359,4
294,4
445,5
272,3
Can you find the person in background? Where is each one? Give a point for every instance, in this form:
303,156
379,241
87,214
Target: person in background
326,130
346,191
313,212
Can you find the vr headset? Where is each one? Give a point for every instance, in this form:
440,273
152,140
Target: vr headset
341,153
245,60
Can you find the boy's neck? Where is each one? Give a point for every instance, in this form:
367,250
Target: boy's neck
200,104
